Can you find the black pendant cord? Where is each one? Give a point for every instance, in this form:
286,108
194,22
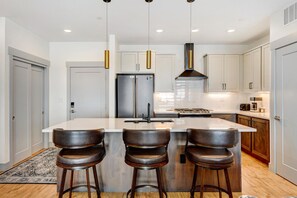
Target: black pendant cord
190,22
148,28
106,33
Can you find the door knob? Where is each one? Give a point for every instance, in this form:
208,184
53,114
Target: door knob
277,118
72,111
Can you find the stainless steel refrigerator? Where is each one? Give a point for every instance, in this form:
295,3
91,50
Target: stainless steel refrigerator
134,93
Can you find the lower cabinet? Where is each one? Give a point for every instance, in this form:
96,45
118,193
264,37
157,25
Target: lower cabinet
257,143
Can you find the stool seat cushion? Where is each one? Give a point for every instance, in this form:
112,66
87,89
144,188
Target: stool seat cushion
77,157
146,156
210,156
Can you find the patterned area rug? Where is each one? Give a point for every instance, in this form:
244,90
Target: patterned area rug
40,169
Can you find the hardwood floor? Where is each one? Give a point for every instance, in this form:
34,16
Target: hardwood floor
257,181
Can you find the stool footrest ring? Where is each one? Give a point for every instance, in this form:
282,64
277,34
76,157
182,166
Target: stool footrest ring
80,186
197,188
143,186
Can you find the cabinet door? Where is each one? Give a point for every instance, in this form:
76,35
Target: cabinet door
164,76
215,72
246,137
260,139
129,61
142,63
256,66
266,68
247,71
231,72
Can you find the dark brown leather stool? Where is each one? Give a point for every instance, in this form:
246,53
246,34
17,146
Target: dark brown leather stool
146,150
209,150
81,149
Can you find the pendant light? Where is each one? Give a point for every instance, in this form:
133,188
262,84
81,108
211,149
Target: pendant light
106,51
190,50
148,51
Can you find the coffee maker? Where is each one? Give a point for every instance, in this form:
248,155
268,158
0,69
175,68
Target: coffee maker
255,103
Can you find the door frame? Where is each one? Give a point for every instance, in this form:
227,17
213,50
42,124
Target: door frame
86,64
15,54
275,45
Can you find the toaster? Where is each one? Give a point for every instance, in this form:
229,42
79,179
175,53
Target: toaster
245,107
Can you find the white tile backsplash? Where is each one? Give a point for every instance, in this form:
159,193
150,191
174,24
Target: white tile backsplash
190,94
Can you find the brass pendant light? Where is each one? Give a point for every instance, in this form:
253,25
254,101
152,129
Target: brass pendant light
148,52
106,51
190,51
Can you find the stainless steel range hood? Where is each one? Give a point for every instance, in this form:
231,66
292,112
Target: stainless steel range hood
190,73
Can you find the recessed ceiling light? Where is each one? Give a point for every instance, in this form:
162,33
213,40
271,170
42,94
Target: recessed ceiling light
195,30
159,30
67,31
230,30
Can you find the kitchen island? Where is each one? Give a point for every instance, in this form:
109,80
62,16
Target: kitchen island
115,176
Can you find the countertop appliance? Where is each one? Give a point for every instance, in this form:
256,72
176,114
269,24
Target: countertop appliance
193,112
135,92
245,107
255,101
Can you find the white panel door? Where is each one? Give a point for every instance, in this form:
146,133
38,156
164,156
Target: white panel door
247,71
286,109
215,72
164,76
21,111
37,98
87,93
231,72
129,62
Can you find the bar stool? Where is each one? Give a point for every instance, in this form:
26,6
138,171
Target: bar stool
209,150
146,150
81,150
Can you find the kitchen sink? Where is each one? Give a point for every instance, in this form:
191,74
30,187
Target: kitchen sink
137,120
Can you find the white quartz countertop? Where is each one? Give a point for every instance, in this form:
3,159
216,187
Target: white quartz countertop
118,124
247,113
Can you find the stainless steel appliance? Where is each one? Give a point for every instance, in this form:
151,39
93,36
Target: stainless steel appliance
135,93
193,112
255,101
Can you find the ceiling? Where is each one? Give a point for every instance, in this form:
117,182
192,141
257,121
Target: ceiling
128,19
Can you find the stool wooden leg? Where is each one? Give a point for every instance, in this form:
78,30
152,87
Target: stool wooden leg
228,183
134,183
220,193
62,183
202,182
194,181
88,182
96,181
71,183
160,183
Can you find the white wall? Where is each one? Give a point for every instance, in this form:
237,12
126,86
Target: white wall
24,40
4,154
60,53
277,28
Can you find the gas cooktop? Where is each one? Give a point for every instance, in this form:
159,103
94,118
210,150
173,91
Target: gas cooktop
192,110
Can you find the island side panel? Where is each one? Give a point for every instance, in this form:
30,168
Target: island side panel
115,176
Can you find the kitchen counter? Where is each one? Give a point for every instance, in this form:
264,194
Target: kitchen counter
118,124
265,115
116,176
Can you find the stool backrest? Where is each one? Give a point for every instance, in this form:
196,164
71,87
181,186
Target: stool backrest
213,138
76,139
146,138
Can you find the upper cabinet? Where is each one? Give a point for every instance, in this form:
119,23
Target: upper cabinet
164,75
257,69
222,72
266,68
135,62
252,70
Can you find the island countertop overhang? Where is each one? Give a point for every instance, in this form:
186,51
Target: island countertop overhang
118,124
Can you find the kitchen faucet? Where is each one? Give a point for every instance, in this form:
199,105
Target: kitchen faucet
148,118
